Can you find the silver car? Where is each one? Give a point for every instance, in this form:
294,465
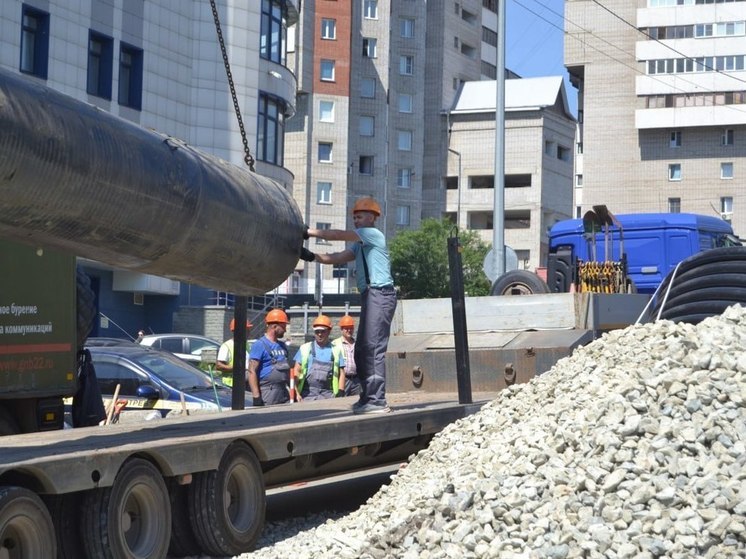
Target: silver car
188,347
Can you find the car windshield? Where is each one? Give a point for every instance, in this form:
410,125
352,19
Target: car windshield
179,375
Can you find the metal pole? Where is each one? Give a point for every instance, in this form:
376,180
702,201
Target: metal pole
498,218
458,304
458,186
238,396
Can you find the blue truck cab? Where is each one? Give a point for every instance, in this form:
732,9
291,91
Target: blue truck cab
651,243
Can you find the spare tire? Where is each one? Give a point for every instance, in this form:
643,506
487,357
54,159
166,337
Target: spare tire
519,282
705,285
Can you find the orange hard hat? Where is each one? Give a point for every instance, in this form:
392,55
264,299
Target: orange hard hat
323,321
346,321
233,324
276,316
367,205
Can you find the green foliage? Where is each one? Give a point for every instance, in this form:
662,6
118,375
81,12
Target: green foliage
419,261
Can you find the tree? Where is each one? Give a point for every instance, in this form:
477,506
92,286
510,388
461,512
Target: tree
419,261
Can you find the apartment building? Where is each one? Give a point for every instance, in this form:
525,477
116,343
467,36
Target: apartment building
159,64
662,105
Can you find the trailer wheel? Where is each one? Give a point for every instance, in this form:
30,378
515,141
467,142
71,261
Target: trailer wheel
519,282
227,505
26,529
65,513
8,425
132,518
183,542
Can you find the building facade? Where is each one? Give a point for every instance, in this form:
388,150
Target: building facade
159,64
662,105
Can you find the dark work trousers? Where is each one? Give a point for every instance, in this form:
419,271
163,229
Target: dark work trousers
377,308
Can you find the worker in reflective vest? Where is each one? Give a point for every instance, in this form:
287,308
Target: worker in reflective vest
224,362
319,366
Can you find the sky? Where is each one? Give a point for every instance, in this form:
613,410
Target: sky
534,41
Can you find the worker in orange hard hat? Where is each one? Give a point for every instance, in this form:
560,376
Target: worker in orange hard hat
377,297
224,362
269,367
320,367
347,342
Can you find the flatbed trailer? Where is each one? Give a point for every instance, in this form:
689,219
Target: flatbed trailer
195,484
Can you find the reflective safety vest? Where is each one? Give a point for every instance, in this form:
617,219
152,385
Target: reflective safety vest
305,351
227,376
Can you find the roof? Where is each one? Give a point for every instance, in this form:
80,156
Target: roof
520,95
650,221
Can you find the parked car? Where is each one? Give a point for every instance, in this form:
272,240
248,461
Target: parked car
108,342
151,379
185,346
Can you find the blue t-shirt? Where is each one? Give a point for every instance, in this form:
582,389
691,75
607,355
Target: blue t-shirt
264,350
322,354
376,255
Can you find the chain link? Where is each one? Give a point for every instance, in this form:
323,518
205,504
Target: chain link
248,158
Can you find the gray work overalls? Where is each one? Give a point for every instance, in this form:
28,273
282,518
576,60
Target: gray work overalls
274,386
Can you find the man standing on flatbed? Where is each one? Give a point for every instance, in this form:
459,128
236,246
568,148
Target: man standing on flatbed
377,298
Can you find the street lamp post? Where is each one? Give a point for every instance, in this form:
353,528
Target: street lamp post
458,186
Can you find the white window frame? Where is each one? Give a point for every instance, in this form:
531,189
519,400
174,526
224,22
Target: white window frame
674,140
726,170
726,204
404,140
404,177
328,29
403,215
674,172
364,89
326,111
322,225
370,47
323,192
367,125
406,27
369,168
327,64
406,102
728,137
331,152
674,205
370,9
406,65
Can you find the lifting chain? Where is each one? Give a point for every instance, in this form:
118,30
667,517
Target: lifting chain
602,277
248,159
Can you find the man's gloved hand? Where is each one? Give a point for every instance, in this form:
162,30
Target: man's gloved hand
305,232
307,255
339,394
258,402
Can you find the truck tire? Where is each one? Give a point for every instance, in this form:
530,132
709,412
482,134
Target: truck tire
86,306
26,529
519,282
8,425
65,513
131,519
227,506
705,285
183,542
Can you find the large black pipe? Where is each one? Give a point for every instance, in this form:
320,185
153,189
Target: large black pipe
77,178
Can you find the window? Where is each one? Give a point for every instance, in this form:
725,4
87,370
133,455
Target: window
100,52
402,215
325,152
489,36
406,28
674,171
367,126
322,225
579,181
674,140
270,137
404,178
368,88
406,65
130,76
404,140
273,33
328,28
327,70
34,42
578,212
674,205
726,170
326,111
489,70
405,103
323,193
369,47
370,9
727,137
563,153
726,205
366,165
579,148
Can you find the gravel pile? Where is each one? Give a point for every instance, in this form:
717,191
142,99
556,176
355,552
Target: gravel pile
633,447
